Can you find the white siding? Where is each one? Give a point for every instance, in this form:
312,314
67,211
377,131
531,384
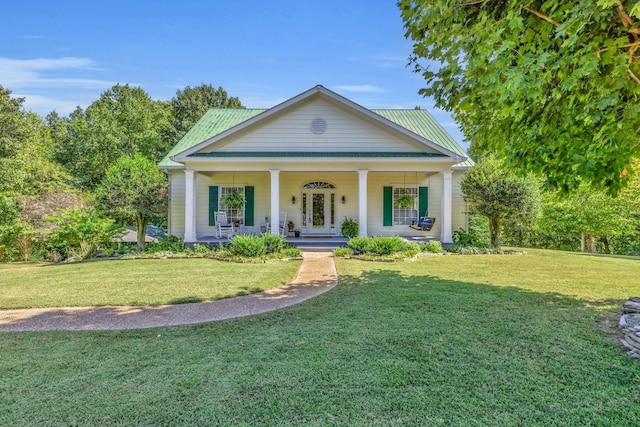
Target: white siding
291,132
176,203
459,208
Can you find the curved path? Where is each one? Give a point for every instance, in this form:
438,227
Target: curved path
316,275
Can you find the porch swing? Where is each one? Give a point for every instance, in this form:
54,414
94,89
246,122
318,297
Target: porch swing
425,223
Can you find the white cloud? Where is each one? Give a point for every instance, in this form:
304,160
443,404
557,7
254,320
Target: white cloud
365,88
29,73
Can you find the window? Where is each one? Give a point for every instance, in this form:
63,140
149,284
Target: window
232,213
403,215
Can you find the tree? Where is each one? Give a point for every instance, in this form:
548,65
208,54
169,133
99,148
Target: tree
125,121
592,214
134,191
27,164
190,104
551,86
491,190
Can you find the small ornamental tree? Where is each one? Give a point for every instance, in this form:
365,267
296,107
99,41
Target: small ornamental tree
133,191
497,193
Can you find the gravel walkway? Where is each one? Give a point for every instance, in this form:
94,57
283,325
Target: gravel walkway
317,274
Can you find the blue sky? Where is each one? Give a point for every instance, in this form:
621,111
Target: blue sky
60,54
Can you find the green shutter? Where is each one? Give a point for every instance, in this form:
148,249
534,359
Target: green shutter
213,204
423,201
387,206
248,206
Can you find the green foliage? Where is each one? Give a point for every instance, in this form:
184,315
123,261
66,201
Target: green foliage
133,191
462,237
359,244
386,245
292,252
190,104
27,164
343,252
493,191
125,121
405,201
383,245
349,228
233,200
247,245
273,243
17,240
433,246
166,243
552,87
81,231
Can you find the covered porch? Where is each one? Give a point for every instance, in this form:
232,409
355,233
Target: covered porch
317,202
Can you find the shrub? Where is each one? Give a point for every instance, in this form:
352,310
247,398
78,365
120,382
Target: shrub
433,246
359,244
201,249
247,245
81,231
166,243
343,252
386,245
273,243
462,237
292,252
349,228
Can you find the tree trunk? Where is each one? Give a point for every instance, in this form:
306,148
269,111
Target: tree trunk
141,228
588,243
494,228
607,246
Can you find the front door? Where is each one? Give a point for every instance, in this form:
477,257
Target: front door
318,211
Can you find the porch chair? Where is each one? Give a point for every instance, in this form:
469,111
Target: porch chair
283,223
223,226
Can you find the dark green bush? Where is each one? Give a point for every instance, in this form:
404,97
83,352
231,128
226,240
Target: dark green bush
273,243
433,246
343,252
386,245
247,245
166,243
349,228
359,244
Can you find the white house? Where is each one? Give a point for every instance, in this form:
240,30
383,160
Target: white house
320,158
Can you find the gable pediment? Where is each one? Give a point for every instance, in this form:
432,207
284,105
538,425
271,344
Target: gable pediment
315,123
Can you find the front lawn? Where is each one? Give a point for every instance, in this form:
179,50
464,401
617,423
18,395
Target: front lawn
480,340
135,282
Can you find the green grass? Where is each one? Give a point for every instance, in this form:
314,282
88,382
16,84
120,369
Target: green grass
135,282
455,340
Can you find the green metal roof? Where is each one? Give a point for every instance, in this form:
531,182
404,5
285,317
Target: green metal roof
219,120
421,122
213,122
315,154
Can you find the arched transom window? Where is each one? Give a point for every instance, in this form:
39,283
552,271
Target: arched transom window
318,184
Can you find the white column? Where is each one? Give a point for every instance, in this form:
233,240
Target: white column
362,203
190,206
275,201
445,233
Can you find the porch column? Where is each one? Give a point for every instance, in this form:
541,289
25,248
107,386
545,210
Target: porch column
190,206
275,201
445,233
362,203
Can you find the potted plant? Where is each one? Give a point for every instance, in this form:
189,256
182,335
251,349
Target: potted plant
404,201
349,228
233,200
290,225
296,232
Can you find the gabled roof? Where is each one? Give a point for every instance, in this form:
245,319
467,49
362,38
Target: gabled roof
216,124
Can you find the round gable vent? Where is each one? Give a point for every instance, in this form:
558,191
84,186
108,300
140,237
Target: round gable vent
318,126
